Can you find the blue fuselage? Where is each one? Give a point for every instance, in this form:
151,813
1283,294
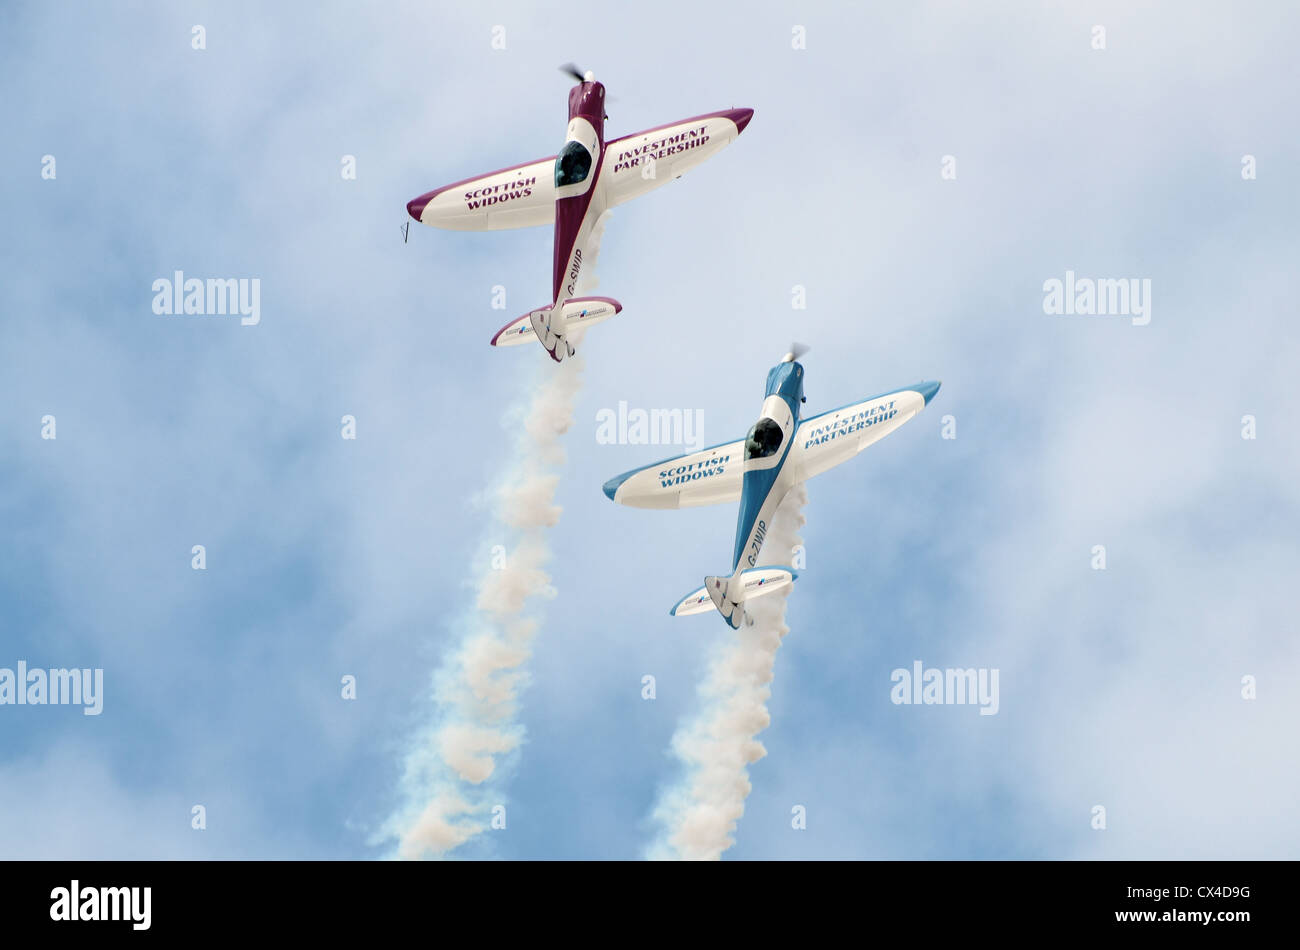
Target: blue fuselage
767,447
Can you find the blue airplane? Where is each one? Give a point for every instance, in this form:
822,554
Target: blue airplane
779,452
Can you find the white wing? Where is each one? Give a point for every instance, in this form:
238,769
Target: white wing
826,440
641,162
521,196
708,477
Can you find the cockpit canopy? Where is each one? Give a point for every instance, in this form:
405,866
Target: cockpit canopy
763,440
572,165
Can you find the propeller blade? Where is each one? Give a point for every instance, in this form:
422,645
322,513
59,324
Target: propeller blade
573,71
796,350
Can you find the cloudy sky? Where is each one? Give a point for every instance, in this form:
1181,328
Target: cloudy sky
329,557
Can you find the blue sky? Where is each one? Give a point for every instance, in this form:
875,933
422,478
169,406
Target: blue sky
329,557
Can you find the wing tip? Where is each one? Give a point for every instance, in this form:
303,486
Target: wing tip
415,207
741,117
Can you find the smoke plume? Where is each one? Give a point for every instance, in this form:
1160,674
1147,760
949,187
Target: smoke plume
698,815
474,724
475,697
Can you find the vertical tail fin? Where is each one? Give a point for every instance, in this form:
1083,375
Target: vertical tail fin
733,611
556,327
547,334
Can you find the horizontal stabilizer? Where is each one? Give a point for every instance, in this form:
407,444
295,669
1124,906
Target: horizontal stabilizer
577,313
755,582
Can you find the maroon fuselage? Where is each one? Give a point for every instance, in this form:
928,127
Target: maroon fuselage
586,101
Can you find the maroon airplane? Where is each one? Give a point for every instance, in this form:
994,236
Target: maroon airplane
573,190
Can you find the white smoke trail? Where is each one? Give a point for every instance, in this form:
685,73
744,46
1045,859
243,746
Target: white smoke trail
698,815
476,690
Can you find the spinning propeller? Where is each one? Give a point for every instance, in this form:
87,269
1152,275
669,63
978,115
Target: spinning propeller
577,73
588,76
796,350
